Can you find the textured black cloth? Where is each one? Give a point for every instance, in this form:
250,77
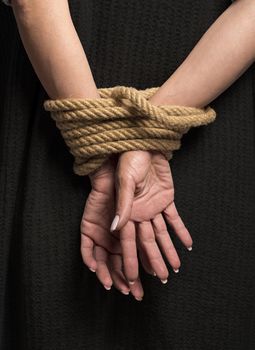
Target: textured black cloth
48,299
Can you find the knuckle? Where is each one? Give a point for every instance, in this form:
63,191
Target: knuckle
180,226
130,260
148,240
126,239
155,259
175,217
85,225
161,232
124,179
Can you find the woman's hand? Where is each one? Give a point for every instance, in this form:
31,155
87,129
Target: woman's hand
145,193
100,250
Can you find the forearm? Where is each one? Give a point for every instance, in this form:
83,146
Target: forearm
224,52
54,49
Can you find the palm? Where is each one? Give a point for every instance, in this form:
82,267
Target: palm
145,194
145,183
154,191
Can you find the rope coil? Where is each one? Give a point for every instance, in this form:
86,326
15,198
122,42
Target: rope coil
122,119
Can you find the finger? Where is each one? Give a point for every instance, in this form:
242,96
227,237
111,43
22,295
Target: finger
119,280
87,248
173,218
102,271
129,251
144,260
116,234
100,234
148,243
165,242
137,290
125,187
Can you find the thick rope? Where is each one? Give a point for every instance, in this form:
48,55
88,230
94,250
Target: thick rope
122,119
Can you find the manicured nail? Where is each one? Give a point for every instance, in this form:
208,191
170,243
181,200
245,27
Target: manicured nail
176,270
107,287
189,248
131,282
115,222
92,269
139,299
164,281
126,292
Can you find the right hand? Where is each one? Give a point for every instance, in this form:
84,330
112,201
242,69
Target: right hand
145,192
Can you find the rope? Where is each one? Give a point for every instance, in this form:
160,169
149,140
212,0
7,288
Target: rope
122,119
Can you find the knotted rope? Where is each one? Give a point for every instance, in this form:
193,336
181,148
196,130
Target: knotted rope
122,119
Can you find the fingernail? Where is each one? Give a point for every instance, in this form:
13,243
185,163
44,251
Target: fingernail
164,281
92,269
107,287
114,222
131,282
139,299
154,274
189,248
126,292
176,270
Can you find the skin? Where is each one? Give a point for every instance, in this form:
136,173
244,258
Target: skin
222,55
104,258
154,193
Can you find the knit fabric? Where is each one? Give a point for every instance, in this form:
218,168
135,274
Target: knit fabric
48,299
7,2
121,119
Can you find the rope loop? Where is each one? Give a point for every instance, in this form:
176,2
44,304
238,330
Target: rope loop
122,119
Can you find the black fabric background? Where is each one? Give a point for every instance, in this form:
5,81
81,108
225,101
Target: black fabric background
48,298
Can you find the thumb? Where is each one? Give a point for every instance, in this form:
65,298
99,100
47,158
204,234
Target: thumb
125,189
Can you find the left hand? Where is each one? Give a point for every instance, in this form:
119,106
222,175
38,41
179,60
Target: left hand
100,250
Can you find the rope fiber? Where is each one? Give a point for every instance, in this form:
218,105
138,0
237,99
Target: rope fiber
122,119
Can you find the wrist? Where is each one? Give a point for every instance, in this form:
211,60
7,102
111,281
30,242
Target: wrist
169,94
108,167
163,97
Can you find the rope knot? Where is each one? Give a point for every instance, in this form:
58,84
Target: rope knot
122,119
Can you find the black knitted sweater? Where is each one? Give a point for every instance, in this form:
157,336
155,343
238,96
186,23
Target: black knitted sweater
48,299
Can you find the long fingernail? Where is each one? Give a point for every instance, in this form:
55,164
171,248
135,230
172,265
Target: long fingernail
189,248
107,287
92,269
126,292
115,222
138,299
176,270
164,281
